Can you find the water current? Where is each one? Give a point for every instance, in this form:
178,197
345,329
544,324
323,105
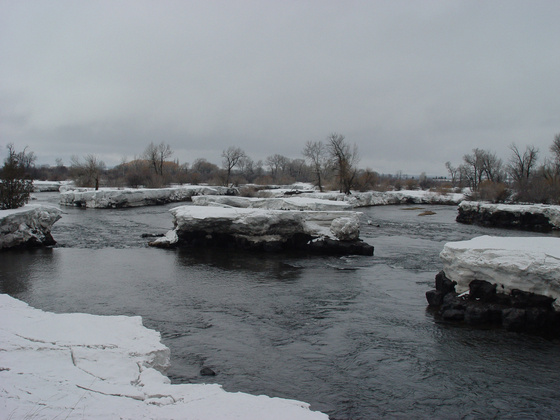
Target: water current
352,336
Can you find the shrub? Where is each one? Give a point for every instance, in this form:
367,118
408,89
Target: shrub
15,187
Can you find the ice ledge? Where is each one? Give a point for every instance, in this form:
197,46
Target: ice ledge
325,232
77,366
531,264
108,198
533,217
27,226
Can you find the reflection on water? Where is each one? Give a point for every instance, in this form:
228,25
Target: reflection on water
350,335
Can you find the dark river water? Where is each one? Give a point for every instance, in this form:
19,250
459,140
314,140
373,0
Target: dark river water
352,336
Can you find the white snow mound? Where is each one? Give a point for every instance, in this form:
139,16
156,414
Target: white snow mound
531,264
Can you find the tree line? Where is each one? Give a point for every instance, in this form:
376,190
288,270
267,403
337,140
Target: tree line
331,164
523,177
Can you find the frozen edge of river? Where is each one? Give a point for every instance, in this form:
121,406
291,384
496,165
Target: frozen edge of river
79,365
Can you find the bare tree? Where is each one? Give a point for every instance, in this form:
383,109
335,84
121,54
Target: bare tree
473,168
555,149
492,166
344,158
277,165
156,156
453,173
87,173
316,152
521,165
230,159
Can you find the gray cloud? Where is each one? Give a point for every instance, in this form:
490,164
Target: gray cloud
413,84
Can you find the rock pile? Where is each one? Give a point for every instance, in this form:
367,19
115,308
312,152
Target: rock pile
483,305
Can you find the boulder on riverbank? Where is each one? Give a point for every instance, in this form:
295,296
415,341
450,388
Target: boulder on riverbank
110,198
324,232
532,217
28,226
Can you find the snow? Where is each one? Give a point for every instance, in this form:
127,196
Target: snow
44,186
377,198
279,203
531,264
259,222
552,213
76,366
30,224
130,197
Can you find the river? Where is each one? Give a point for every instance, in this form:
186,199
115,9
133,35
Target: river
352,336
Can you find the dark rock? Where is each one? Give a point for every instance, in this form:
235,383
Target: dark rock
453,314
478,314
443,284
482,290
206,371
434,297
514,319
522,299
451,301
536,222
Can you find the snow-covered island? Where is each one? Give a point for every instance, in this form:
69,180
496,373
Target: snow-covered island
77,366
110,198
514,281
276,203
28,226
328,232
534,217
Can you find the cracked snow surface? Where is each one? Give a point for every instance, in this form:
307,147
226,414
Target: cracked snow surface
87,366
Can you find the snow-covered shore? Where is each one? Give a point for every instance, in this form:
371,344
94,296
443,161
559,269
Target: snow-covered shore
105,198
76,366
531,264
260,229
29,225
536,217
374,198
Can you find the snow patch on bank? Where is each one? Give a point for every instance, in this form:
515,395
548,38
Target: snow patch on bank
531,264
76,366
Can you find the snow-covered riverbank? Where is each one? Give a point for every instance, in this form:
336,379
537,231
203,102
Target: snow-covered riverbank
535,217
374,198
76,366
29,225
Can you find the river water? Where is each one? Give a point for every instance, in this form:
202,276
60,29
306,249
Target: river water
352,336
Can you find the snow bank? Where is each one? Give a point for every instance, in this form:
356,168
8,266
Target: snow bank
46,186
280,203
116,198
378,198
262,229
29,225
530,264
538,217
76,366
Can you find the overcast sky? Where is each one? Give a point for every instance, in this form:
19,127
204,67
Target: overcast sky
413,83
